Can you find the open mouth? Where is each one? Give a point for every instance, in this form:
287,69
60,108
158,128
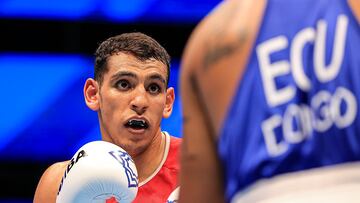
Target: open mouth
137,124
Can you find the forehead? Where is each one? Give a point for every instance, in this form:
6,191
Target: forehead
128,62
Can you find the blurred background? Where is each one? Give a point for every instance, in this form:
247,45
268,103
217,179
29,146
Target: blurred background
46,54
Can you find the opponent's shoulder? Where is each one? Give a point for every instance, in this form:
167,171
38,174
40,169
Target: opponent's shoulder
217,36
199,39
48,185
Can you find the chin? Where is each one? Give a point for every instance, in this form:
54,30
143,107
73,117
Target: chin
136,152
134,148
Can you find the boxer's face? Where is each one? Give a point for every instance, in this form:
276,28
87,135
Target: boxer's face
133,98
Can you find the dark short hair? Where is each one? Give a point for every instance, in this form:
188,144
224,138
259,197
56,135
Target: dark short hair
138,44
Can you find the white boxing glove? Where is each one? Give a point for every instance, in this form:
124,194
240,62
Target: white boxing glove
98,171
174,196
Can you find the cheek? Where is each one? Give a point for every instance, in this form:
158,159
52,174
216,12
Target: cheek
112,107
157,104
159,108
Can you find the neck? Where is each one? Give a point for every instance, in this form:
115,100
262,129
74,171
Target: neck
148,161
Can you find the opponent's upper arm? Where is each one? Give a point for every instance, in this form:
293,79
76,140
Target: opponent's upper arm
48,185
195,125
198,153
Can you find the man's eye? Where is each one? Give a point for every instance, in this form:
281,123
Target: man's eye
123,84
154,88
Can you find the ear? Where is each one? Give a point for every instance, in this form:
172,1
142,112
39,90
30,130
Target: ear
170,98
91,94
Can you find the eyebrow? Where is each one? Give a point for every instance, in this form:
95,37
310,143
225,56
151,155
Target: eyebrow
132,75
122,74
158,77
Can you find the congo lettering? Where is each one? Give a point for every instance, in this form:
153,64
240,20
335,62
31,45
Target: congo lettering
325,109
73,161
324,112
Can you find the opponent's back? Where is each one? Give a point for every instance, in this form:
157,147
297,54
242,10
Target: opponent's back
297,105
277,88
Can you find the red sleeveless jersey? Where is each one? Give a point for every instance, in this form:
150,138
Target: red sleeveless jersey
157,188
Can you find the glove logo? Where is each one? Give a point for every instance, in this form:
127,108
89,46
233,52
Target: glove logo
73,161
124,158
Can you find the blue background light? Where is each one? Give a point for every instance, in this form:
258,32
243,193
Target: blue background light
46,55
45,9
44,109
112,10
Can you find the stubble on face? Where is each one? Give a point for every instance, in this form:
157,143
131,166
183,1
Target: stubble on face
116,104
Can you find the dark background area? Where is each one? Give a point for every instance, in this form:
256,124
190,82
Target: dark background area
63,124
21,35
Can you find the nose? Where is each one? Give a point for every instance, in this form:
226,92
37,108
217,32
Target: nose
139,102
